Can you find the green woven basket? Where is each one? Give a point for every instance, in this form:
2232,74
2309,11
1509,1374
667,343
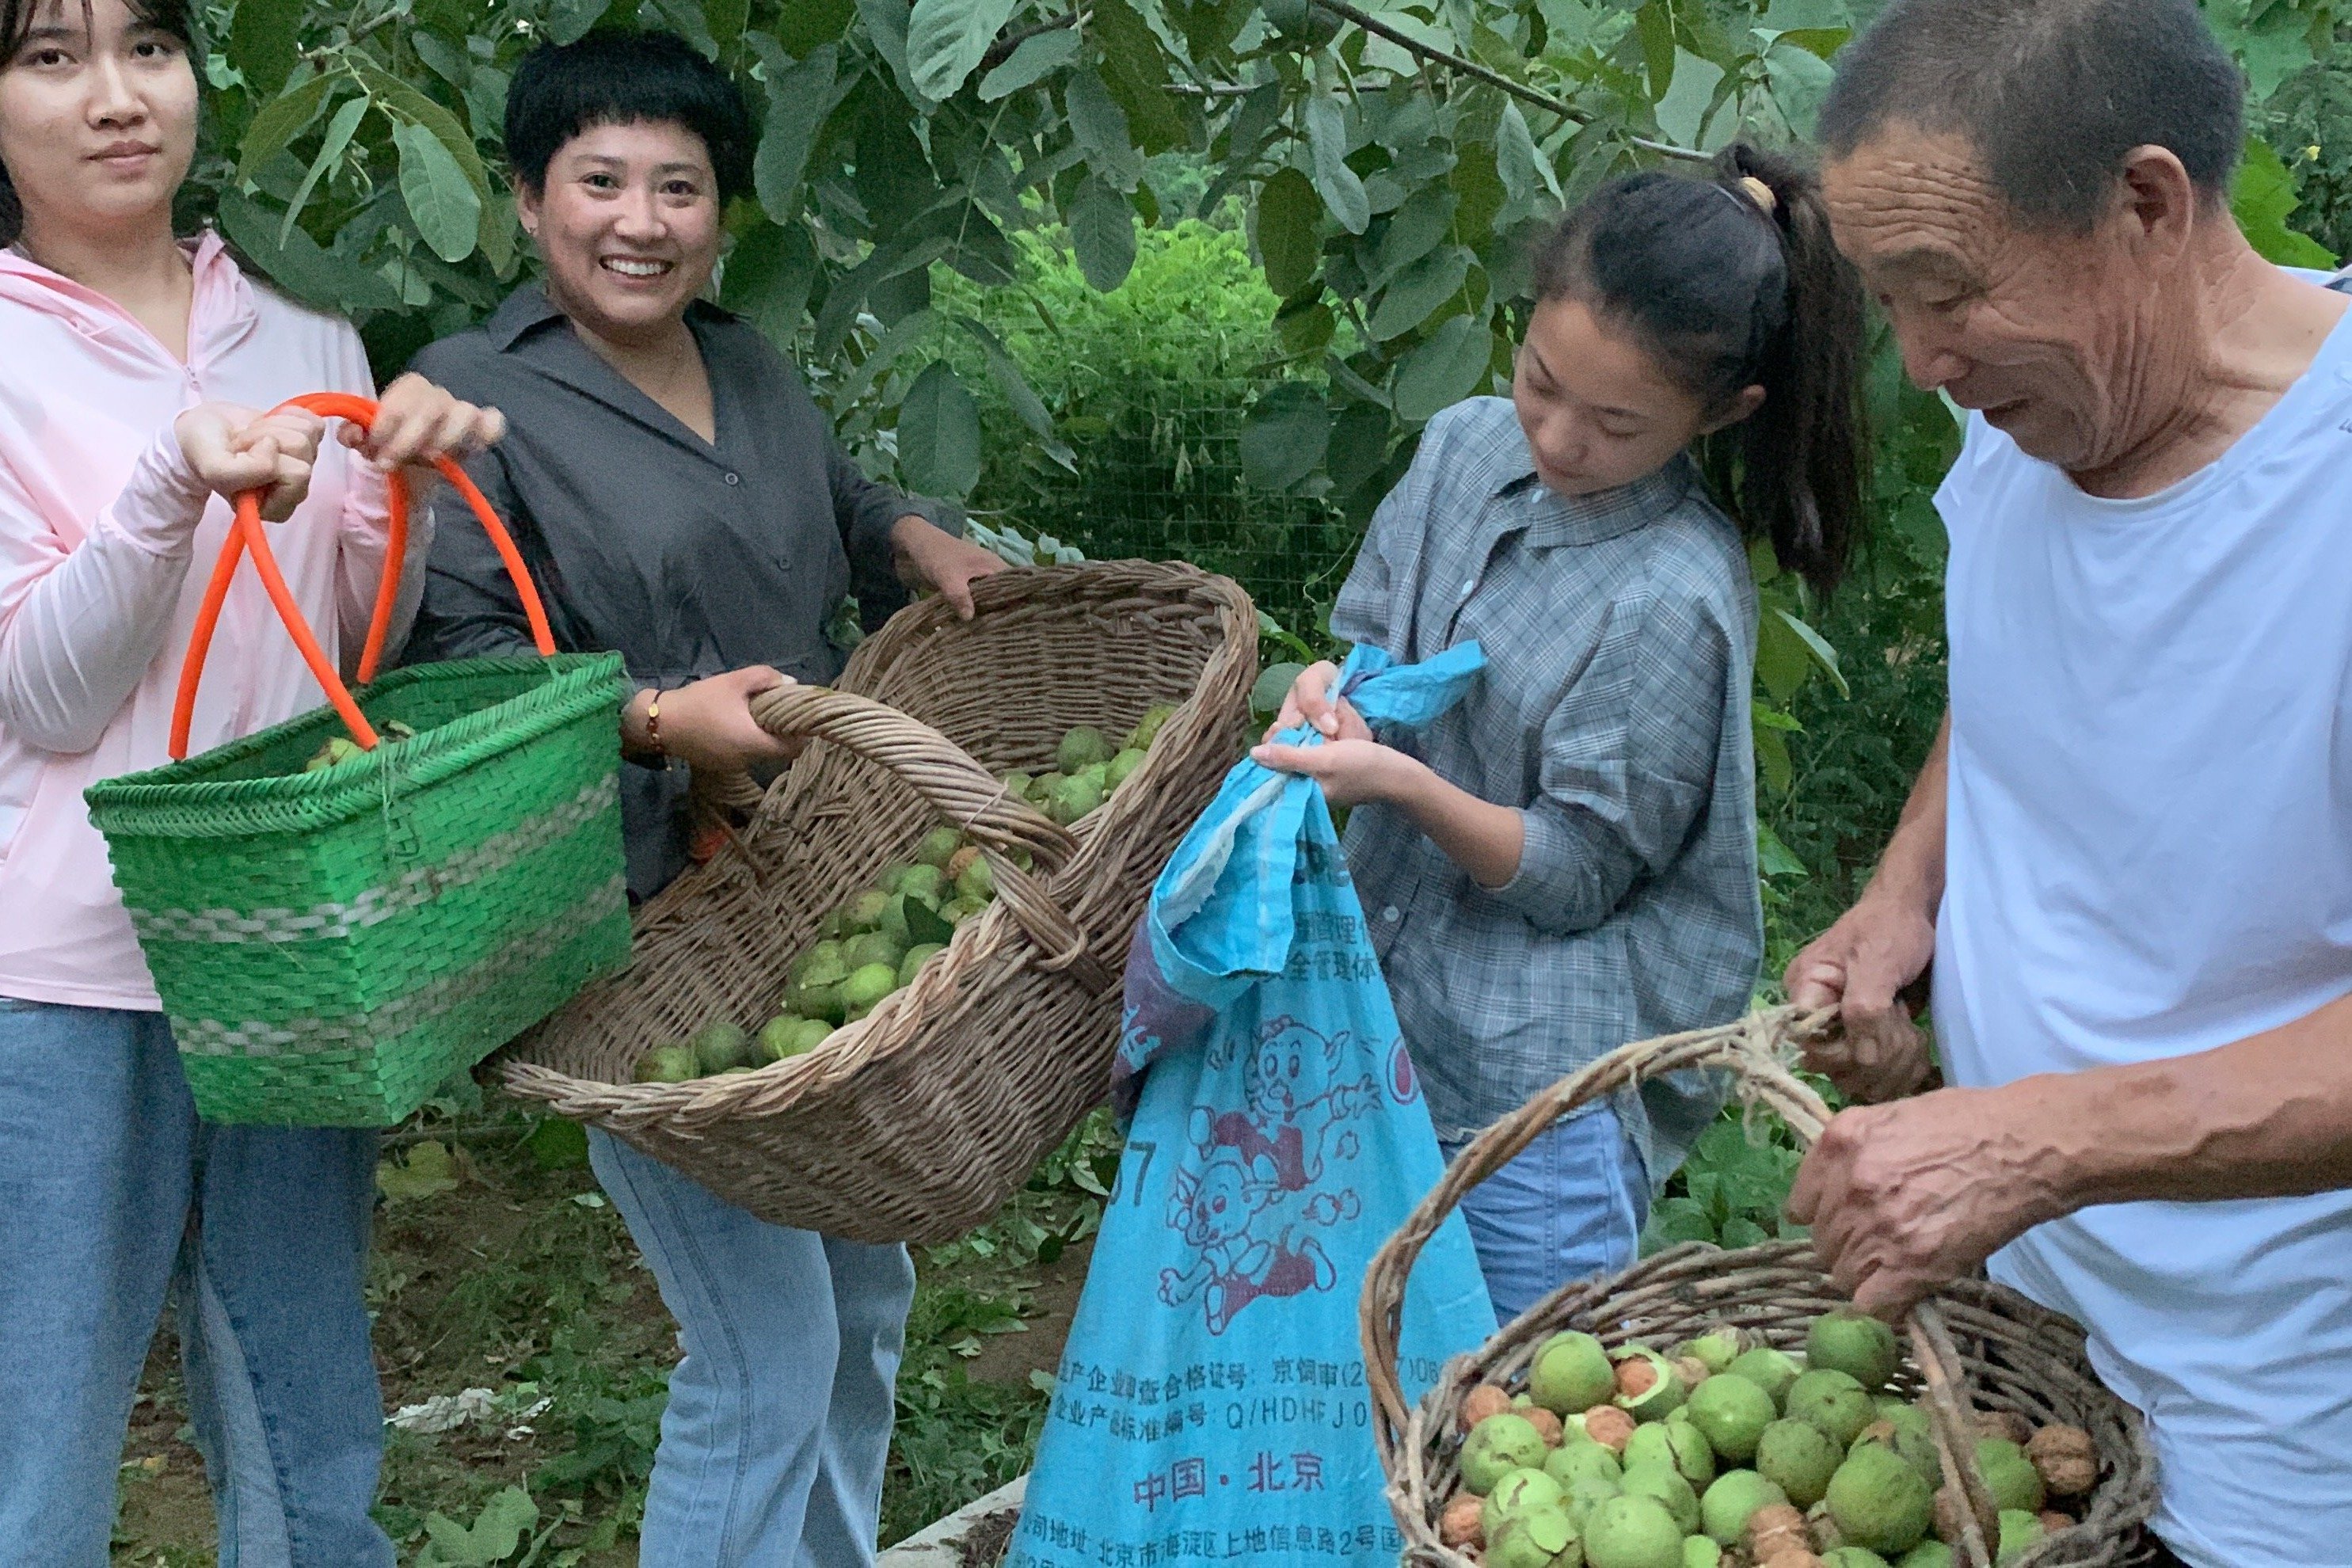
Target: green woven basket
329,946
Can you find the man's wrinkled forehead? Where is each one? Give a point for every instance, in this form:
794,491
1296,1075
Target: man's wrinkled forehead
1910,204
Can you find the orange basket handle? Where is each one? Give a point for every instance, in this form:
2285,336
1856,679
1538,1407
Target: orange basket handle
247,534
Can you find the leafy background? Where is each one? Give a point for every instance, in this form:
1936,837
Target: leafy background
1157,276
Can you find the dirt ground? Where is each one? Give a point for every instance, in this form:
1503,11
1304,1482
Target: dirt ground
520,1274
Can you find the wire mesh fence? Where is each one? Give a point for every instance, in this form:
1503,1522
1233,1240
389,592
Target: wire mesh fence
1156,472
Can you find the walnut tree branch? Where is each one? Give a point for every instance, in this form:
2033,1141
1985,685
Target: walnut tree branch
1470,68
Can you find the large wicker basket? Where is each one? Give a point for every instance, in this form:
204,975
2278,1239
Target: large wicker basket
1975,1346
918,1123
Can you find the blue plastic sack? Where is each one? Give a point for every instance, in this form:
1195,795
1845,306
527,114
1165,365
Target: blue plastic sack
1210,1405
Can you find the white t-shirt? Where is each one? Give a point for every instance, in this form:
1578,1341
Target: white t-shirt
2150,854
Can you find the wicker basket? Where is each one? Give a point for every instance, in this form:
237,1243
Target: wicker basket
1975,1345
331,946
916,1123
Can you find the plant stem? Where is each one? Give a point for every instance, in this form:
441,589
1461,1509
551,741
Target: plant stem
1492,78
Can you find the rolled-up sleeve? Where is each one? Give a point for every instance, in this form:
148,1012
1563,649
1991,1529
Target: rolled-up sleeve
1628,767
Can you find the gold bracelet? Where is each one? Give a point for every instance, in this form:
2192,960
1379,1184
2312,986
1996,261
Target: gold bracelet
653,725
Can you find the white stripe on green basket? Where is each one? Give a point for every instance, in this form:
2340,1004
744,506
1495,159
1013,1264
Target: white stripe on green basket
413,888
211,1038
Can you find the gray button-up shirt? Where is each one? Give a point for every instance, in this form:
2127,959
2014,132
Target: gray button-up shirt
1620,637
687,557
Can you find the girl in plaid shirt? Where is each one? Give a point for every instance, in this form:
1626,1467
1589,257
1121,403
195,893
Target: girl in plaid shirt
1567,861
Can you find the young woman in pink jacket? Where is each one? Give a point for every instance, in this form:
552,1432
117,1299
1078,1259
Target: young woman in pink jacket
138,366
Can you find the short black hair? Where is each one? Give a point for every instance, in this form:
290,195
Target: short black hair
2050,94
17,19
626,78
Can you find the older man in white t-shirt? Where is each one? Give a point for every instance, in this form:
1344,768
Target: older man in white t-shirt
2129,857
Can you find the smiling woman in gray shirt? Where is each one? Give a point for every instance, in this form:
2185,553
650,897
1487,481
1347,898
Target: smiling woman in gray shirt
680,500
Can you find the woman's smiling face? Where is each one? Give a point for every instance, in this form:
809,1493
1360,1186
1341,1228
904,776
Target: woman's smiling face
627,221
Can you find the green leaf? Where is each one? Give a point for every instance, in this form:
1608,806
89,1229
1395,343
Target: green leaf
1775,858
727,20
939,434
1451,365
768,278
1099,127
1025,402
1655,24
428,1171
924,926
330,147
945,40
556,1144
1818,647
1681,112
2261,196
804,24
1800,80
496,1534
448,213
571,20
1102,232
265,39
499,233
1135,71
1360,444
1526,174
886,26
1417,227
1289,231
281,121
405,102
1327,140
799,99
1285,435
301,265
1417,290
1273,684
1034,59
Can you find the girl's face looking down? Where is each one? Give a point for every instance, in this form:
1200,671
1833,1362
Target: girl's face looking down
628,224
1599,409
97,118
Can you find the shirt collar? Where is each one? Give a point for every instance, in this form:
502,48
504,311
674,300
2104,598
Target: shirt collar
528,307
1556,519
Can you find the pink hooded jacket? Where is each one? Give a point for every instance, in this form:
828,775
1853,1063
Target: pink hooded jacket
106,540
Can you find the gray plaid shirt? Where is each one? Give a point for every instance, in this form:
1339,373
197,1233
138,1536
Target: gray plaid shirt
1619,634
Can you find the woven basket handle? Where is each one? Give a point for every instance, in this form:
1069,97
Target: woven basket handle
1751,1049
247,534
967,795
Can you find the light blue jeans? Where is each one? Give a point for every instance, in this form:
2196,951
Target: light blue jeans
110,1189
778,1419
1570,1207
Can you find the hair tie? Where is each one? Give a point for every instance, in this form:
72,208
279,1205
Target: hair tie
1759,192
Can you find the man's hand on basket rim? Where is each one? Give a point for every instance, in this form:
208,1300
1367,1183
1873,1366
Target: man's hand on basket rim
1904,1198
1861,966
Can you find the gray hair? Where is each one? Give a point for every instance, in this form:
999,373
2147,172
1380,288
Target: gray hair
2050,94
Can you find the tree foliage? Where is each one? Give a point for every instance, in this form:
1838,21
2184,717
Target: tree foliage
1393,161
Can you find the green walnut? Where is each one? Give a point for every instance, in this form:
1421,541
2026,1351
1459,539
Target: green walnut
1733,1412
1855,1344
1879,1501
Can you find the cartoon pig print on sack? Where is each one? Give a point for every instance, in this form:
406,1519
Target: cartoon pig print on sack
1246,1195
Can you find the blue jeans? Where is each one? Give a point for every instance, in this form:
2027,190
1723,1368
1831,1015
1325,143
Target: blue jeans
1570,1207
110,1191
779,1418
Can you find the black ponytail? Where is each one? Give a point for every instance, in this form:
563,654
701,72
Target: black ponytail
1734,283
